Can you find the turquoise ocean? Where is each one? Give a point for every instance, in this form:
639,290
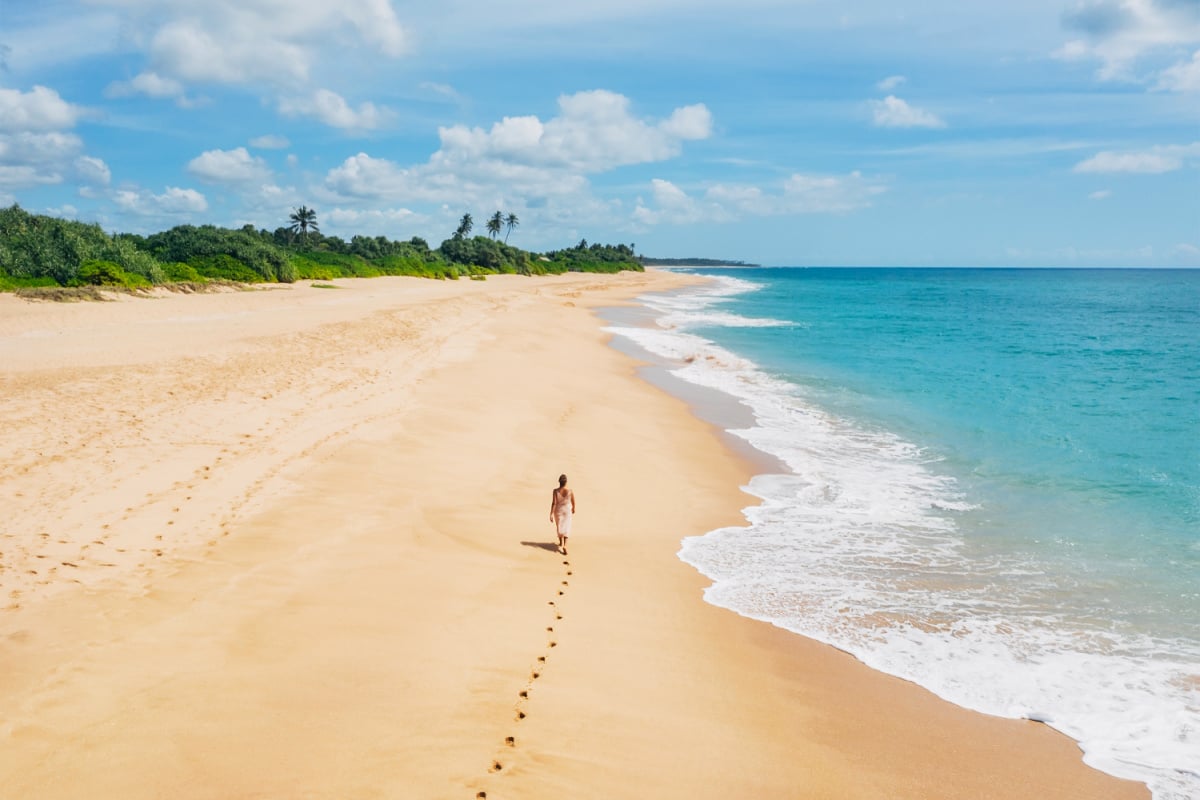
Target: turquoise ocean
990,485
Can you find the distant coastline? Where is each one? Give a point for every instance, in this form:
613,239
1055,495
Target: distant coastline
692,262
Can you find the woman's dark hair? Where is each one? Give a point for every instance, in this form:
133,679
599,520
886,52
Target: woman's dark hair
562,481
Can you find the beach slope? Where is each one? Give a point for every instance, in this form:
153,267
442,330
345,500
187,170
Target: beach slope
295,543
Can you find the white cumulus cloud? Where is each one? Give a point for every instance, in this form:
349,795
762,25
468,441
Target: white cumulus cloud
798,194
254,41
394,222
1182,77
66,210
892,112
92,171
36,145
1119,33
366,177
595,131
1100,194
671,205
1157,160
891,82
173,201
235,166
150,84
49,149
332,109
524,157
22,176
39,109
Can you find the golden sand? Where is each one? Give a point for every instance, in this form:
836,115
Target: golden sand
294,543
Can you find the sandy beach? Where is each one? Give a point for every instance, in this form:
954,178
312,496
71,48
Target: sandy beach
294,543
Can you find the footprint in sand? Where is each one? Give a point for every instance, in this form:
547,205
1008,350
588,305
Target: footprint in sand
496,766
511,741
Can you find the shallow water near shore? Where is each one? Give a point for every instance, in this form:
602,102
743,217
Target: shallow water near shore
992,485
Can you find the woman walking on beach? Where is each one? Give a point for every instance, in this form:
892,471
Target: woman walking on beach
562,506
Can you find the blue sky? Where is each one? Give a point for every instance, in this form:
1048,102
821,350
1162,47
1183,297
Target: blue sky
875,133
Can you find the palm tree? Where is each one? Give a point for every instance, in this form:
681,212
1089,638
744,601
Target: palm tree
304,219
464,226
510,222
495,223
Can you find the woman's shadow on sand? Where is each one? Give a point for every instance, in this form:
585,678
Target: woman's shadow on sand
551,546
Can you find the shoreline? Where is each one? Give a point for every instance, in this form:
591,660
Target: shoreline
725,413
377,590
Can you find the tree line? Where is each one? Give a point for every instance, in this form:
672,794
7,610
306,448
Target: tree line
39,250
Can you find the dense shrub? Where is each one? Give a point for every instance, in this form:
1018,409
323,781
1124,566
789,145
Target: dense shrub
107,273
334,265
201,247
489,254
224,267
406,260
9,283
181,272
593,258
37,250
35,246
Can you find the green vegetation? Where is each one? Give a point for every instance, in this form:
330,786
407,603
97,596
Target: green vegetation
37,250
693,262
243,255
593,258
303,219
41,251
495,224
464,226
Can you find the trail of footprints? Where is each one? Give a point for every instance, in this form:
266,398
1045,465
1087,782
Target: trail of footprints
498,763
